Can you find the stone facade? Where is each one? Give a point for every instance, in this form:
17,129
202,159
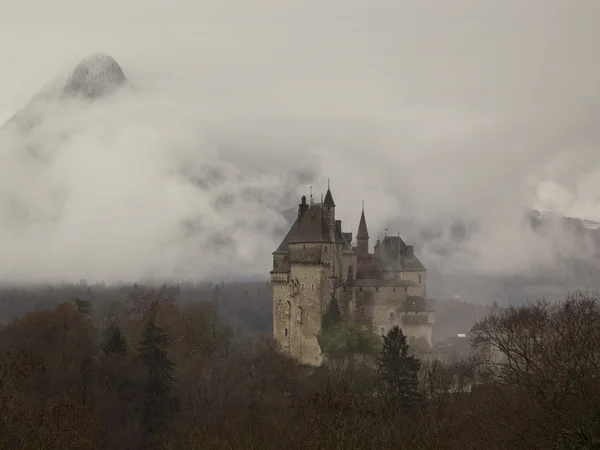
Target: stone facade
315,263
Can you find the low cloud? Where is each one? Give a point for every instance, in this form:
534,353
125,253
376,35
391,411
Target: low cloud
441,119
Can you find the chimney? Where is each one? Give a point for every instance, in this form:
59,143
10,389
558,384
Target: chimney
302,207
338,228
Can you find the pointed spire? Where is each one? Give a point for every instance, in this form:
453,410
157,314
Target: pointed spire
363,233
328,197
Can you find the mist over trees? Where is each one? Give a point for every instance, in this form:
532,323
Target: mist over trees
156,368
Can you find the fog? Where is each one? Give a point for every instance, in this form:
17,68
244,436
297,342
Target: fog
432,112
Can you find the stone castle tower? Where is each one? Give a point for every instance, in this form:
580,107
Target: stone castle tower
315,263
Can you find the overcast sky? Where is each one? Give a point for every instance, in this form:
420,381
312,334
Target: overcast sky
431,110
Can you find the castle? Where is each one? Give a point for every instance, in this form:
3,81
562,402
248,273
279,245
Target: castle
316,263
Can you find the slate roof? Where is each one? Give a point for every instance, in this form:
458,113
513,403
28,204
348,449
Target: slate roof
363,233
348,237
341,239
328,199
283,247
311,227
413,264
391,249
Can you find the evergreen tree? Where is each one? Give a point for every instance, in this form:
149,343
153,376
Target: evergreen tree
332,315
114,343
398,372
83,306
153,353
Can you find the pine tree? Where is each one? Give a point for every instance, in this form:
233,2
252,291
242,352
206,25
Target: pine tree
114,343
398,372
332,315
83,306
153,353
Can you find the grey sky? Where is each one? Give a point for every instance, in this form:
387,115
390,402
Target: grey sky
434,110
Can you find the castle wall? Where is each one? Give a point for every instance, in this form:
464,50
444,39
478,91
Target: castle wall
348,259
279,260
305,253
308,304
418,277
281,314
417,324
383,306
329,221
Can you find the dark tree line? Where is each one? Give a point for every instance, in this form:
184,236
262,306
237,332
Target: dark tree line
151,371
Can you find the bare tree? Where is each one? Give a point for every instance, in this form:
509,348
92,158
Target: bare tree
541,366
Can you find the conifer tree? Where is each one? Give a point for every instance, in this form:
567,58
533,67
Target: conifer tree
398,372
332,315
153,353
114,343
83,306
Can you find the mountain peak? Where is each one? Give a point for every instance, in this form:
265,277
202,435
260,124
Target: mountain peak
95,76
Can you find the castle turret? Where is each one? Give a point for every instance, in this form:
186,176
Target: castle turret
329,215
362,237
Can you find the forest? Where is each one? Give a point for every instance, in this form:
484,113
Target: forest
135,367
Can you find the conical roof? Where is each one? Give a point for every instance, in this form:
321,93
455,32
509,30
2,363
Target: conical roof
328,199
363,233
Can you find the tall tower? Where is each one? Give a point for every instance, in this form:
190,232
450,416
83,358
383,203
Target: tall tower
362,237
329,215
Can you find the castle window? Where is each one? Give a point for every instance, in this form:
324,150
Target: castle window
312,286
391,315
405,290
420,278
302,285
376,289
325,248
299,315
286,331
360,289
394,289
304,247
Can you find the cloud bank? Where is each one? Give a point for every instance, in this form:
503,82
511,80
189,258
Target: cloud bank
432,113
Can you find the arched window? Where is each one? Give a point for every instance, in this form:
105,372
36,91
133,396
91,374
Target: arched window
299,313
286,332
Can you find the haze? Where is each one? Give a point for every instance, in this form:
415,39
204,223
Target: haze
431,111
